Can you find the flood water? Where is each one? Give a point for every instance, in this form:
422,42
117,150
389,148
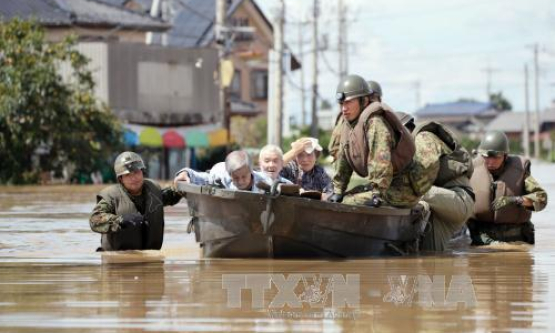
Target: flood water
51,280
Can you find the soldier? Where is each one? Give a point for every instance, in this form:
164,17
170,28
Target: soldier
506,194
375,145
130,215
333,146
441,172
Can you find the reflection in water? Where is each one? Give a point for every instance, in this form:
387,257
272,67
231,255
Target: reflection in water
51,279
191,295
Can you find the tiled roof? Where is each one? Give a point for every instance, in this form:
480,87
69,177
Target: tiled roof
79,12
514,121
192,20
454,108
508,122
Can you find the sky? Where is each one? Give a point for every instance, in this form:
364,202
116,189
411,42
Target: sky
432,52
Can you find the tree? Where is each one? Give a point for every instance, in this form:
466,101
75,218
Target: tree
43,115
499,102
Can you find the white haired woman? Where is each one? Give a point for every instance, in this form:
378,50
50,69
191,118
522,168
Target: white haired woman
301,167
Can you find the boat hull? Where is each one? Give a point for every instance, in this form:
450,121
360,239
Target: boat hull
238,224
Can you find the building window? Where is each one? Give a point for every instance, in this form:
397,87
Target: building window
235,87
241,22
259,84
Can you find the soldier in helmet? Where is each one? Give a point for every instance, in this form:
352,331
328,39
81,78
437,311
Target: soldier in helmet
333,146
441,172
506,194
375,145
130,215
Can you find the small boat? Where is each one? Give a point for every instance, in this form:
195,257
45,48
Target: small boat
240,224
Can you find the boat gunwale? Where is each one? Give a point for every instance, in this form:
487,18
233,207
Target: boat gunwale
213,191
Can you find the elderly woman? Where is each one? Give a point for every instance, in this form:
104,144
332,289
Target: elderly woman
301,168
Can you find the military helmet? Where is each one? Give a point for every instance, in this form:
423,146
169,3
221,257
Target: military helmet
495,143
376,88
351,87
406,119
128,162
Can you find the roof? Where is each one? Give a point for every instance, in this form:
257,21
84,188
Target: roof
192,20
79,12
548,115
514,121
508,122
454,108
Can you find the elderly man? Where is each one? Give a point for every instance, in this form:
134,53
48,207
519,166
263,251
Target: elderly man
130,215
235,173
270,160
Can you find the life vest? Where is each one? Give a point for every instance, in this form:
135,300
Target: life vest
509,183
355,142
335,138
144,237
453,165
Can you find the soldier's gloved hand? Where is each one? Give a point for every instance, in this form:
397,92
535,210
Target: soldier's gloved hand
506,201
336,197
131,220
376,201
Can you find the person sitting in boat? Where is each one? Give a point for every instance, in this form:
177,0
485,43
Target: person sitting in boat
375,145
130,215
270,161
301,167
235,173
441,173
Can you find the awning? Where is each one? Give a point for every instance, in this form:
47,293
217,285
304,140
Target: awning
201,136
217,138
172,139
130,138
197,139
150,137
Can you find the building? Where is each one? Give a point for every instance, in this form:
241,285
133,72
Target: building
145,85
88,19
464,117
192,25
513,124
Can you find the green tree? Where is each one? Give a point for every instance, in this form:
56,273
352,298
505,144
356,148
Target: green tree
41,114
500,102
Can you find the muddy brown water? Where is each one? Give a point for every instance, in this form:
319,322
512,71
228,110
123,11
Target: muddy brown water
51,280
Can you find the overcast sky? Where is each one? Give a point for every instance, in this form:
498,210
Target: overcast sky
445,46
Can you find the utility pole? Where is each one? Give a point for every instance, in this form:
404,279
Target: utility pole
537,95
154,12
276,118
303,104
341,40
489,71
314,125
526,134
417,92
219,33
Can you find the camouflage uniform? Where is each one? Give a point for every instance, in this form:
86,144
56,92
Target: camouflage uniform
451,204
395,191
485,233
335,138
104,219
